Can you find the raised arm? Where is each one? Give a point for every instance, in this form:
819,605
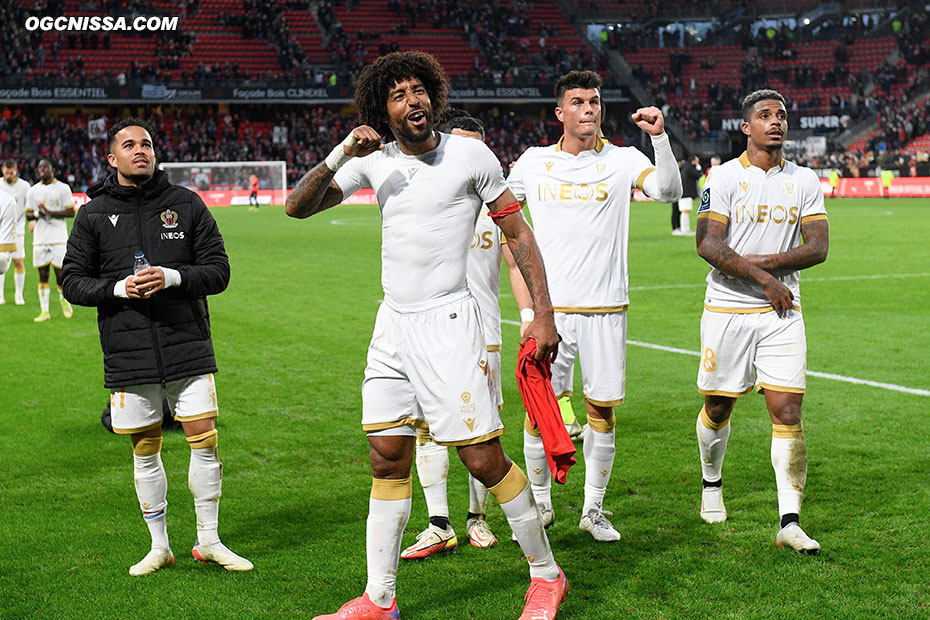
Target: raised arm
712,247
317,191
664,183
526,254
816,236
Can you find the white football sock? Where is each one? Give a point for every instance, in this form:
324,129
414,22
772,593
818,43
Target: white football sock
537,468
712,442
516,500
433,472
44,294
477,496
388,512
205,480
2,282
789,460
599,452
685,222
152,491
19,279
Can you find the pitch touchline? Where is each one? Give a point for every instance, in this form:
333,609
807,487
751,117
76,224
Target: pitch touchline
812,373
883,276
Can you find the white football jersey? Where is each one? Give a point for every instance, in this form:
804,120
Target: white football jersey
580,206
763,212
7,223
484,276
56,196
429,206
18,191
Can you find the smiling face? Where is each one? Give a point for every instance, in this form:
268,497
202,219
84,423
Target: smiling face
580,112
767,125
132,155
410,114
45,171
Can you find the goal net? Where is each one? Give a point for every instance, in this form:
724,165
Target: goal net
227,183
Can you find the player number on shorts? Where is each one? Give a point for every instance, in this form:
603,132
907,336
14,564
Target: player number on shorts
709,364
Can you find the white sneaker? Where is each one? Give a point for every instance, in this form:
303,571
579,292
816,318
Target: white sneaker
66,308
546,515
479,534
677,232
19,301
153,560
575,430
599,526
688,233
712,508
430,541
219,553
794,537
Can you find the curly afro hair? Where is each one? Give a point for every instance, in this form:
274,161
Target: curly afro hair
378,78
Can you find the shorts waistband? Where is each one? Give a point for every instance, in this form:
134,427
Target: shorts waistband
430,304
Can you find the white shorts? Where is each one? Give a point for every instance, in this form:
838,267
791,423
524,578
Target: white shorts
685,204
43,255
734,345
428,367
20,246
138,408
600,342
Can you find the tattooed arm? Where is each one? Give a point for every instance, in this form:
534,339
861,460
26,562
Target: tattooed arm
522,244
712,247
317,191
816,235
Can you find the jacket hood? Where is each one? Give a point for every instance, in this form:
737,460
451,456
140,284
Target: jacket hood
110,186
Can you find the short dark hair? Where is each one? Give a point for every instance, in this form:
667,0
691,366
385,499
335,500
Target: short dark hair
760,95
378,78
457,118
9,163
132,121
576,79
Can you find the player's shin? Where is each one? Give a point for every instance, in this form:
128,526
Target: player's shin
789,460
44,295
151,487
205,480
515,499
599,452
388,512
537,468
433,471
712,441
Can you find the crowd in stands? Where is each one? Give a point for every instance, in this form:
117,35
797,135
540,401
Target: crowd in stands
240,133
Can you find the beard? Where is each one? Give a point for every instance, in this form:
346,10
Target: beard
414,136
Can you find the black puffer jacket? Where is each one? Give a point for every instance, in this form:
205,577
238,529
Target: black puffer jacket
167,336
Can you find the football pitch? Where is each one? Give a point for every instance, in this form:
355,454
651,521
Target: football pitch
291,334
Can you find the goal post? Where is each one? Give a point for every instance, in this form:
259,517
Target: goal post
227,183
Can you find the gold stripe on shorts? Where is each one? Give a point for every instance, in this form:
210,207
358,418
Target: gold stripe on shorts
779,388
591,309
381,426
723,393
471,442
757,310
199,416
605,403
493,347
7,247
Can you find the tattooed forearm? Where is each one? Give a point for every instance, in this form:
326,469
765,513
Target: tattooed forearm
313,193
713,248
816,237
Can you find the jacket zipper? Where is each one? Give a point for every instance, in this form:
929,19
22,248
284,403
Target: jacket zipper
148,309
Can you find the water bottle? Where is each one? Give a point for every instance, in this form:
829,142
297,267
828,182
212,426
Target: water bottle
141,262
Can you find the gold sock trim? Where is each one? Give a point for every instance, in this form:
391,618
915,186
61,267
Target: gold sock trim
528,427
602,426
390,490
710,424
203,440
146,446
510,486
783,431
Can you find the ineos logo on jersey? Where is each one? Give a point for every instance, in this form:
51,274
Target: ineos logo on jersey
762,214
173,235
570,192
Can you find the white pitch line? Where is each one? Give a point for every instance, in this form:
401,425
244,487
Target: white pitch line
881,276
812,373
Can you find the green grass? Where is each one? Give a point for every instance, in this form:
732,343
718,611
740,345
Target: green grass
291,336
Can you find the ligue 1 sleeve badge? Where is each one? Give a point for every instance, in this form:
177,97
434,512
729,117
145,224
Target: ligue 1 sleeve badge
169,218
705,200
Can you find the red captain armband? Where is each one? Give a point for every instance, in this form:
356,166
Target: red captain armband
513,207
